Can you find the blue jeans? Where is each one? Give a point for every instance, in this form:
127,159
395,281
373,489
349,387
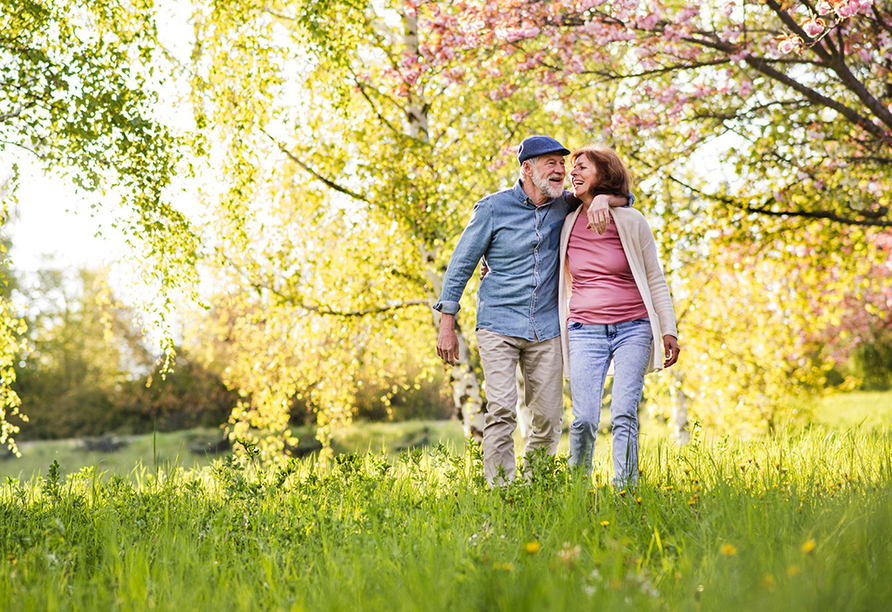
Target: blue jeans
592,347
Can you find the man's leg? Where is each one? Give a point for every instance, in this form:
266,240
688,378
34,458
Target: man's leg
524,416
544,381
499,355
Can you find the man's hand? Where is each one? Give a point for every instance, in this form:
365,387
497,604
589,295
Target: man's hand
670,350
598,215
447,342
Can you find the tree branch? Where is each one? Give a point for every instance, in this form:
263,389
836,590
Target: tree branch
836,62
822,214
880,21
17,112
872,218
863,122
327,311
327,181
362,312
322,309
363,92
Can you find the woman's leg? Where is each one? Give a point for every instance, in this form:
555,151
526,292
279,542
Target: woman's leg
631,354
589,360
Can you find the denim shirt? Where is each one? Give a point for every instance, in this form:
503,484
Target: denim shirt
518,296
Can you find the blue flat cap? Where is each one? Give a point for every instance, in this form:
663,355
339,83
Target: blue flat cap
534,146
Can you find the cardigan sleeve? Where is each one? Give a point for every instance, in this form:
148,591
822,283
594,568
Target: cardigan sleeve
656,281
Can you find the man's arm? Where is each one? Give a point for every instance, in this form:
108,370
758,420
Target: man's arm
598,215
472,245
447,341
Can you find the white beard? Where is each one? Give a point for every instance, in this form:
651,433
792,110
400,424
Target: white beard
550,190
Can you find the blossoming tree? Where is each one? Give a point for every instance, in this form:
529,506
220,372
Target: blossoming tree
387,122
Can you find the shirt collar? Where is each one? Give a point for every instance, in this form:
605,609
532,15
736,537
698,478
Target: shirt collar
521,195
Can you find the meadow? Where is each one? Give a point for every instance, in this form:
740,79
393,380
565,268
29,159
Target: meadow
796,522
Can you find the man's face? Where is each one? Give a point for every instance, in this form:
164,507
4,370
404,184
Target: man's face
548,173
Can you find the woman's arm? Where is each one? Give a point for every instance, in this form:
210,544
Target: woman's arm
598,215
659,293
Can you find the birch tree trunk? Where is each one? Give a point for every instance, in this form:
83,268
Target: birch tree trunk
465,386
680,432
524,414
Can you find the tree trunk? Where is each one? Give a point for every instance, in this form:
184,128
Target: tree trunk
680,432
416,111
465,387
524,414
466,391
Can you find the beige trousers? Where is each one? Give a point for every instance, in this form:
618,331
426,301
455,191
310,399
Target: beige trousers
542,368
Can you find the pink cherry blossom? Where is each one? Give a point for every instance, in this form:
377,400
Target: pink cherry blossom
847,9
823,7
790,44
863,5
648,22
813,27
575,64
411,77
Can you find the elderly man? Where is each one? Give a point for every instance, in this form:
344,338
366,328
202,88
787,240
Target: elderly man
518,232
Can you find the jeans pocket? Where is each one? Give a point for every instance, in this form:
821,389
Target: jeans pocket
574,325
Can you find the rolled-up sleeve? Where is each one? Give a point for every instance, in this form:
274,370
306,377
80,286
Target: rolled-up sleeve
472,245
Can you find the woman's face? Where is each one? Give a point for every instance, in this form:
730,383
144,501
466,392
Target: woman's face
583,177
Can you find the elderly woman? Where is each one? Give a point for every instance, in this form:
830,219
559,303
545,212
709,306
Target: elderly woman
615,306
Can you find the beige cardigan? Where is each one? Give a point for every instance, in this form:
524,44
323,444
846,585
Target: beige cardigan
641,251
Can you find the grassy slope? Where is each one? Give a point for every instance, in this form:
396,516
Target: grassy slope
793,523
838,412
867,409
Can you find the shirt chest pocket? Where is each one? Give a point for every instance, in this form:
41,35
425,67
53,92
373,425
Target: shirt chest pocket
552,237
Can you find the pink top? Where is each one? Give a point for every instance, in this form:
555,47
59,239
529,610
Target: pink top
604,290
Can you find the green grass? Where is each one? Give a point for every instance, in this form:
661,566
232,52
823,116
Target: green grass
172,449
168,448
841,411
796,523
863,408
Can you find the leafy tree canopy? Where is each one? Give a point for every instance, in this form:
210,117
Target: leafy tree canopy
349,139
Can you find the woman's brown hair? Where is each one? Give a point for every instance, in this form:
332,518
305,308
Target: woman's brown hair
613,176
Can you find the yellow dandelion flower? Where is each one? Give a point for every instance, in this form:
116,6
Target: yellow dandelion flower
604,523
729,550
793,570
768,582
808,547
532,547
